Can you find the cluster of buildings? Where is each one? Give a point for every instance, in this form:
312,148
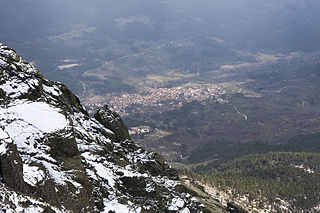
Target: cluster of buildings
139,130
164,97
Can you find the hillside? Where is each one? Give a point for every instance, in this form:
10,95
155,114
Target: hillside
54,157
272,182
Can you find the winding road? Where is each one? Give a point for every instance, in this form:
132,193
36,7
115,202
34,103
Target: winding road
235,108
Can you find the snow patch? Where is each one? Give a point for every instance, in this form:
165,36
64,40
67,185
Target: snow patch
15,89
58,176
114,205
11,201
4,139
3,63
176,204
3,149
38,114
54,90
3,135
305,168
185,210
150,187
32,174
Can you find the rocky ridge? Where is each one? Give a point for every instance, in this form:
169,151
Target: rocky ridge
55,158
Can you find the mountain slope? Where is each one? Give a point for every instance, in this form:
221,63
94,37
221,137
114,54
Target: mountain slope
51,150
271,182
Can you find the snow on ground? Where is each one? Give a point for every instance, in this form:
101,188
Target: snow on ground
317,208
54,90
3,148
88,125
32,174
102,169
3,134
3,63
105,173
185,210
39,115
114,205
150,187
26,122
4,137
56,174
11,202
305,168
15,88
176,204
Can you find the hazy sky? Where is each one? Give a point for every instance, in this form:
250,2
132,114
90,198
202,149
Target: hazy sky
274,21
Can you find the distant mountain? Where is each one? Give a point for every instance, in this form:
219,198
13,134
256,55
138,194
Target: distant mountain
55,158
92,43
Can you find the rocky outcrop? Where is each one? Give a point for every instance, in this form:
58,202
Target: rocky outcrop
11,168
111,120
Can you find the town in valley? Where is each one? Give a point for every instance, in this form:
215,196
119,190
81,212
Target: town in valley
169,98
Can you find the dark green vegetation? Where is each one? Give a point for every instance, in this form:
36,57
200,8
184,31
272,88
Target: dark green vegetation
269,177
229,151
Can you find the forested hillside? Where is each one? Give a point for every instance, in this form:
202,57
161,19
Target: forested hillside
284,180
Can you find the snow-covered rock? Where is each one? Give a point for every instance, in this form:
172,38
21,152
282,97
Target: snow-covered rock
11,201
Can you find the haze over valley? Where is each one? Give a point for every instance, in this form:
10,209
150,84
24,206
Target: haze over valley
208,84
